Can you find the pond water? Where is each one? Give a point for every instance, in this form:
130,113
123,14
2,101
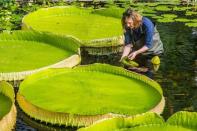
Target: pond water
177,74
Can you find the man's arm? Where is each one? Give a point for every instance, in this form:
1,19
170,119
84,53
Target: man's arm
135,53
127,49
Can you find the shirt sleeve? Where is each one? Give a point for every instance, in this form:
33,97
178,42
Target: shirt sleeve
127,37
149,31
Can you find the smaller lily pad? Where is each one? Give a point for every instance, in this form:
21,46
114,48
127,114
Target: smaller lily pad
6,104
130,63
162,8
176,8
169,16
191,24
165,20
180,121
182,20
189,13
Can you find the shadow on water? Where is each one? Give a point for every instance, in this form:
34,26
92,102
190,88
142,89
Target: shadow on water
177,74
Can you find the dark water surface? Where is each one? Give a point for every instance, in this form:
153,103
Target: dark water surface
177,74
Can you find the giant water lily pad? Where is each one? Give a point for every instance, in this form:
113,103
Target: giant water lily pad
22,53
85,94
78,22
7,107
181,121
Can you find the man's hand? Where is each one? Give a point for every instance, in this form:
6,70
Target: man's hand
133,55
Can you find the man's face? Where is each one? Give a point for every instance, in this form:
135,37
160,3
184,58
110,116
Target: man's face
129,22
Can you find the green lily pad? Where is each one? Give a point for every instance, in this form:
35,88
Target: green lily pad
7,109
6,104
176,8
169,16
182,20
181,121
162,8
69,20
74,92
33,50
130,63
191,24
111,11
193,20
149,15
189,13
157,17
165,20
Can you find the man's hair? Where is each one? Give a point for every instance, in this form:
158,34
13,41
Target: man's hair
134,15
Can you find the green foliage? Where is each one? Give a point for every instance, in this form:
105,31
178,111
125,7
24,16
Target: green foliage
11,14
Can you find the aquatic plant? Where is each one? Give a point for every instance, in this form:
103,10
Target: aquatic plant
191,24
104,46
176,8
150,15
79,100
157,17
25,52
193,20
8,109
181,121
162,8
111,11
130,63
78,22
182,20
189,13
155,60
142,8
167,18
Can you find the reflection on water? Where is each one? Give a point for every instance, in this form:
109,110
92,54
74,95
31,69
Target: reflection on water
177,74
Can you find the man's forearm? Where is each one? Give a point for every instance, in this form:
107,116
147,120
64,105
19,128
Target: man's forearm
126,50
142,50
